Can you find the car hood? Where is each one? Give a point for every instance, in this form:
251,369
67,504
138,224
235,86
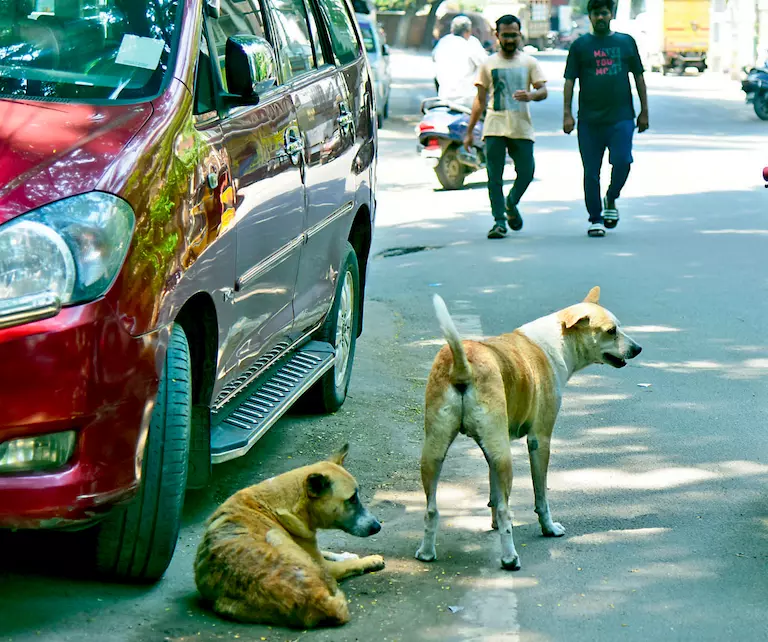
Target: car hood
49,151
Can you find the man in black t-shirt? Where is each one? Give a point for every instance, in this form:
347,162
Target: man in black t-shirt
602,62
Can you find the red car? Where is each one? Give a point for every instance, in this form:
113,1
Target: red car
186,209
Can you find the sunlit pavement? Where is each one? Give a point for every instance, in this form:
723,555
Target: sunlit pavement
659,470
662,486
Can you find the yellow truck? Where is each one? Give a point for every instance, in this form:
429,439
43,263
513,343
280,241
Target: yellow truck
672,34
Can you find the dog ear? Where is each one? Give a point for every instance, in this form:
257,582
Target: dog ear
575,319
594,295
317,484
339,456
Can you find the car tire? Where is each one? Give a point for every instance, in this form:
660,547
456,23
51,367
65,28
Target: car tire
386,109
450,172
136,542
379,120
340,330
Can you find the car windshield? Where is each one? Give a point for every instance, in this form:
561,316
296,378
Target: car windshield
370,43
83,50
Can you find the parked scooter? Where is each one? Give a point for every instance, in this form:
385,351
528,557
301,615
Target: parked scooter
441,141
755,86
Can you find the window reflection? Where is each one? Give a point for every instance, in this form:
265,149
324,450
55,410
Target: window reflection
85,49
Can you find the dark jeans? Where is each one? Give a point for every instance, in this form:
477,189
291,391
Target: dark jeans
521,152
593,140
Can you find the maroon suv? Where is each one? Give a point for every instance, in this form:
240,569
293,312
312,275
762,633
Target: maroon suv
186,207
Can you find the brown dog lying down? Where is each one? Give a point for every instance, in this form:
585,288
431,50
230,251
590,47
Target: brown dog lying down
259,560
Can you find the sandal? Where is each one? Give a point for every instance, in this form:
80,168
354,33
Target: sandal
497,232
610,215
514,219
596,230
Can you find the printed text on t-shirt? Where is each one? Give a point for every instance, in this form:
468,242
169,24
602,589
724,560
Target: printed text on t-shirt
607,61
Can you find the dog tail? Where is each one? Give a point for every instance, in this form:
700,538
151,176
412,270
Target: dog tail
462,371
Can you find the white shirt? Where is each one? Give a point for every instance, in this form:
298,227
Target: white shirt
457,62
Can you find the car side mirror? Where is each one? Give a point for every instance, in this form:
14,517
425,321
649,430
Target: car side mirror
385,50
250,66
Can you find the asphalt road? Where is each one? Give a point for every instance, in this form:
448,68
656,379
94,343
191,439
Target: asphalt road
662,487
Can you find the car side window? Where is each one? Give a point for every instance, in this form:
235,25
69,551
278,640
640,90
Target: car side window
238,17
292,40
317,39
346,48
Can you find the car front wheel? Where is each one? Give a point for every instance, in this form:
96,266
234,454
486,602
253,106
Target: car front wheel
340,330
136,542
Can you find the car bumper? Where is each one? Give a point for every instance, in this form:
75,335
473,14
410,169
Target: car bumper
81,371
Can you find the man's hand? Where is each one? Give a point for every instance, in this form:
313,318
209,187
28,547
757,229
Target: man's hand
569,124
522,96
642,122
469,140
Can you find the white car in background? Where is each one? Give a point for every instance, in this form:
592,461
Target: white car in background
378,55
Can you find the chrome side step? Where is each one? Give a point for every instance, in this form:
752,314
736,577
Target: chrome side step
236,427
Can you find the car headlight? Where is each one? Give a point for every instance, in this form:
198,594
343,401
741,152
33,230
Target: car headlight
63,253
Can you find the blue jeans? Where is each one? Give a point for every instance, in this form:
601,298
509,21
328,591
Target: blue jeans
593,140
521,152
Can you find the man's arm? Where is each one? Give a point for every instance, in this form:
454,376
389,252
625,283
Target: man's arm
569,123
539,93
477,110
636,67
642,93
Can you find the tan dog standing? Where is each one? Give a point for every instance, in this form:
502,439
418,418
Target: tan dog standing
259,560
508,387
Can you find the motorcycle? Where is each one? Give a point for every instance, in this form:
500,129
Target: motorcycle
755,86
441,142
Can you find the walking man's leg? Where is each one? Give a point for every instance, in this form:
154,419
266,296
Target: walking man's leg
495,157
620,158
521,152
592,144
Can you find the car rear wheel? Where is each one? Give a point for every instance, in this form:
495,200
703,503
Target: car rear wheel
136,542
340,330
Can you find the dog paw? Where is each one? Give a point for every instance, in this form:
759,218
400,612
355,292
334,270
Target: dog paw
426,556
512,564
555,529
374,563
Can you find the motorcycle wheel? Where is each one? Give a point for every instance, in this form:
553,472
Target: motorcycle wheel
450,172
761,106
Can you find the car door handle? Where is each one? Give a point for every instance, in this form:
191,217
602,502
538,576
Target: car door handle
345,119
293,145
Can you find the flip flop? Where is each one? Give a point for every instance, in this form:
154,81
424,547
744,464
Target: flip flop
610,215
596,230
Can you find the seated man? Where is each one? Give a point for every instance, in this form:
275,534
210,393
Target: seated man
457,58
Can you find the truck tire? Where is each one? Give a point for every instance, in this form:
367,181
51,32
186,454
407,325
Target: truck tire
340,330
450,172
136,543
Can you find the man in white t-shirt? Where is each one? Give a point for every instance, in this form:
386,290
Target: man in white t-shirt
458,57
